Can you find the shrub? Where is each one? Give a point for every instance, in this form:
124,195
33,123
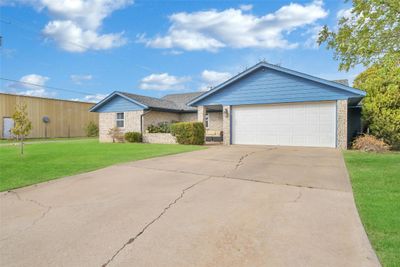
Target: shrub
189,133
92,129
381,106
116,134
162,127
133,137
370,143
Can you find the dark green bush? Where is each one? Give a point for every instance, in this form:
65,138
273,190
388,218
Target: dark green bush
92,129
133,137
162,127
189,133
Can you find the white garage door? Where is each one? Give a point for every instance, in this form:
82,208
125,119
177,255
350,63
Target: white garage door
304,124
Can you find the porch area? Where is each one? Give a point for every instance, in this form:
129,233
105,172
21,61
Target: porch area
216,120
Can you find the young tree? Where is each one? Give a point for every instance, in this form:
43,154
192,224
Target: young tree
116,134
368,33
92,129
381,106
22,125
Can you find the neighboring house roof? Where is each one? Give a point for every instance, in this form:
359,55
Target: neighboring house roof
352,92
173,102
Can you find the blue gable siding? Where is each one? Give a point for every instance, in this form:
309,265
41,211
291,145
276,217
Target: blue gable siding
118,104
267,86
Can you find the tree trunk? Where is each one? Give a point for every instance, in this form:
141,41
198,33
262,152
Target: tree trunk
22,146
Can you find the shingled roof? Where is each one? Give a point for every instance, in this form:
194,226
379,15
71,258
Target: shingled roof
182,99
174,102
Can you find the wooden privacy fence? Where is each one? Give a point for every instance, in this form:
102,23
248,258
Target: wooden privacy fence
65,118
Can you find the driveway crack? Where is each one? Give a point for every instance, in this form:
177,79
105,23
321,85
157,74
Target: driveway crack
44,213
132,239
242,158
226,176
240,162
299,195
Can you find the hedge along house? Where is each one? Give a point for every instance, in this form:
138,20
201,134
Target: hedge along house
271,105
135,113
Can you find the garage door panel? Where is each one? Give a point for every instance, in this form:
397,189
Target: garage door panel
303,124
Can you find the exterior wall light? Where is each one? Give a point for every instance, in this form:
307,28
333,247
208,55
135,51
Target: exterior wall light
226,112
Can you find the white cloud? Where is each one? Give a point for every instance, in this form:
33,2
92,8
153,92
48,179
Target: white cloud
32,85
344,13
163,81
212,78
246,7
90,98
94,98
77,23
71,37
313,34
212,30
78,79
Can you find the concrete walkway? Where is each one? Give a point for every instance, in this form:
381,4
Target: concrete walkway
224,206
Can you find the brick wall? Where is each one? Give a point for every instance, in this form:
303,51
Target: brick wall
159,138
226,125
188,117
215,121
341,124
155,117
107,120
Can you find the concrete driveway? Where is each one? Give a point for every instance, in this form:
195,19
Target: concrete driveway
224,206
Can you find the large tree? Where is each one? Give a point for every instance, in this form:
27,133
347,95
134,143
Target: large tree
381,106
367,33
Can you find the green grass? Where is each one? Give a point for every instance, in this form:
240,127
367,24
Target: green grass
28,140
46,161
376,184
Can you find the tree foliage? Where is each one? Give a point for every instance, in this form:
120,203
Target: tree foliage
116,134
92,129
381,106
369,33
22,124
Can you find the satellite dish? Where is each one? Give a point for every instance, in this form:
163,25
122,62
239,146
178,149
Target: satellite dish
46,119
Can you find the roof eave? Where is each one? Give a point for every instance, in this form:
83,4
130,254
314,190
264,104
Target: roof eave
172,110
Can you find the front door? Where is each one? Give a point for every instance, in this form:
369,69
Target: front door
8,124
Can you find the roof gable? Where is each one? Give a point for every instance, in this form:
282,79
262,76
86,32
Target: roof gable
117,102
266,83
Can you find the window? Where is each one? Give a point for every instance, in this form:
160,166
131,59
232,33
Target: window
120,120
206,121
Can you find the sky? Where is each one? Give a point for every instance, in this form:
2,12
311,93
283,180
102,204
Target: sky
86,49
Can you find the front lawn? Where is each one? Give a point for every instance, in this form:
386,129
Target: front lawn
29,140
375,180
46,161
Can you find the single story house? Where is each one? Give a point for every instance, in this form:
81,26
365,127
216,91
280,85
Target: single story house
263,105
